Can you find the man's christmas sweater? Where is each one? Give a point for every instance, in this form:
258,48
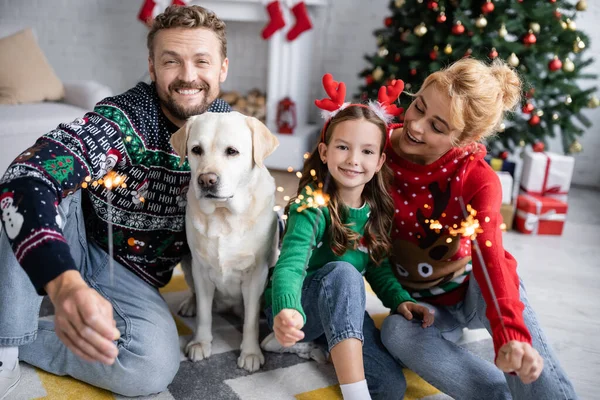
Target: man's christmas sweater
306,248
129,134
431,260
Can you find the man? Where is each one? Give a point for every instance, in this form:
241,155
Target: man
112,329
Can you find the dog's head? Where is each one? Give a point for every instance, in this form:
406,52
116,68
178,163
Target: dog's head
222,149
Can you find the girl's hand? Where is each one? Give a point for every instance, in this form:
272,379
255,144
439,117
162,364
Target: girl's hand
522,359
287,326
408,308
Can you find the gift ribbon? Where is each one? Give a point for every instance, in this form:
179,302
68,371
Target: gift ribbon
545,189
532,221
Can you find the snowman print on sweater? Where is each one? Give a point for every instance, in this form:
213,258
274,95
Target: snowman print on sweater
13,220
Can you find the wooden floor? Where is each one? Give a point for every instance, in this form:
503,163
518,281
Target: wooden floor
562,277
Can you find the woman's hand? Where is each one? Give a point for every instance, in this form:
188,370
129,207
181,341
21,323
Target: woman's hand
287,326
408,308
522,359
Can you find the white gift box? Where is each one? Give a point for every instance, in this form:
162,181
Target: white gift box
506,180
547,174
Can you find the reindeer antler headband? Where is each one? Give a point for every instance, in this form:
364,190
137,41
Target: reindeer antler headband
383,107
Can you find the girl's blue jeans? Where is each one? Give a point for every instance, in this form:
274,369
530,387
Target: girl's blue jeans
334,301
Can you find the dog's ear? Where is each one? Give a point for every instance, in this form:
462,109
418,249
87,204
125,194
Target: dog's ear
263,141
179,141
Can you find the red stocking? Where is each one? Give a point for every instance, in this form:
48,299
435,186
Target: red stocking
145,14
302,21
276,21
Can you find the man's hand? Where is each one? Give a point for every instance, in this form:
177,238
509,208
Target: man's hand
83,318
287,326
407,309
522,359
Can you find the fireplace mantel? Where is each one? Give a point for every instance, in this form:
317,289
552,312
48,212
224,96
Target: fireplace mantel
289,68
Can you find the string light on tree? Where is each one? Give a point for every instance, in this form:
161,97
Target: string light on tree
555,116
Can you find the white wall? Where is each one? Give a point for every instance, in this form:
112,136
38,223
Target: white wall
103,40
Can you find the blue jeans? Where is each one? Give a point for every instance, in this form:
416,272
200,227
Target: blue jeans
149,345
333,299
433,355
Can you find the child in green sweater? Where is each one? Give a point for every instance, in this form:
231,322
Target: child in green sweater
337,231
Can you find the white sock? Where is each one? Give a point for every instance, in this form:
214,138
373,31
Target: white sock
356,391
9,356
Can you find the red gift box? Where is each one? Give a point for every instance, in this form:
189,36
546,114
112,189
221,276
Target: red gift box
540,215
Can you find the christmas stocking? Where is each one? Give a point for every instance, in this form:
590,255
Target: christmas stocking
276,21
151,8
302,21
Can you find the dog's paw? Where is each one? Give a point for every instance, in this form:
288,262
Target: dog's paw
198,351
188,307
251,362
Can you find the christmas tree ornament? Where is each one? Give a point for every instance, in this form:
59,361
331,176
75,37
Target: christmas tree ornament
578,45
468,52
432,5
420,30
555,116
501,127
539,113
563,24
502,31
593,102
568,65
441,18
382,52
571,25
448,49
379,40
529,38
493,53
369,79
538,147
529,94
522,143
408,85
458,28
303,22
399,3
534,120
378,73
557,14
552,1
513,60
413,71
581,5
527,108
397,57
568,100
535,27
504,155
433,53
575,147
481,22
388,21
487,7
555,64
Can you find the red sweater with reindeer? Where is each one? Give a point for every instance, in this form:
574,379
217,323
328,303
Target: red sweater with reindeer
433,264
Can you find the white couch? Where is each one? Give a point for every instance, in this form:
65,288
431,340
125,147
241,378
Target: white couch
22,124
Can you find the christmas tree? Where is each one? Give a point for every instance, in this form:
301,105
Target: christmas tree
59,167
537,37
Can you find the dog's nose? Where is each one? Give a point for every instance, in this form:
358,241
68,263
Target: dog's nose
208,180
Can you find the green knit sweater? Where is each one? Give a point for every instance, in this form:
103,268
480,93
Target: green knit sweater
301,242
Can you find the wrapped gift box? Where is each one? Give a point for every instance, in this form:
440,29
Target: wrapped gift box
499,164
506,180
508,215
547,174
540,215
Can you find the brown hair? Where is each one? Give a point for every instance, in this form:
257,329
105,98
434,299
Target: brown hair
188,17
480,95
375,193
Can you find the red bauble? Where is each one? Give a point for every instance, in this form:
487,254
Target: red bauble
530,93
538,146
488,7
458,29
388,21
432,5
534,120
557,14
369,79
441,18
413,71
397,57
504,155
433,54
529,38
551,1
493,54
555,64
527,108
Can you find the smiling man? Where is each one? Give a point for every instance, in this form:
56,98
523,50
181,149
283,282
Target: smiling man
112,329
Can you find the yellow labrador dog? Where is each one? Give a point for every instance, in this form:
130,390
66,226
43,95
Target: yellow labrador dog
230,225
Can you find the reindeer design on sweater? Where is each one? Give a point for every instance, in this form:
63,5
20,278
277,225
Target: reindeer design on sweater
431,261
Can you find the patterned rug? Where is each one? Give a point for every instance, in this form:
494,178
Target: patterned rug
218,378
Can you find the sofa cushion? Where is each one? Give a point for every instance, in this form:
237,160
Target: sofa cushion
25,74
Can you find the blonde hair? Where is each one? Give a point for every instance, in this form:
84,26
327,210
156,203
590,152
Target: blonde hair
188,17
376,193
480,95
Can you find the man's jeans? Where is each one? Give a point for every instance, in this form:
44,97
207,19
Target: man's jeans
149,345
432,354
333,299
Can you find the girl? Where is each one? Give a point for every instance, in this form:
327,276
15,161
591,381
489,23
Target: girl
317,286
439,169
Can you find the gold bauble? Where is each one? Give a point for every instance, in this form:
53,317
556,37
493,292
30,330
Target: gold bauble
502,127
513,60
481,22
448,49
571,24
535,27
594,102
568,100
578,45
563,24
420,30
377,73
502,31
521,143
539,113
555,116
568,65
581,5
575,147
399,3
382,52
